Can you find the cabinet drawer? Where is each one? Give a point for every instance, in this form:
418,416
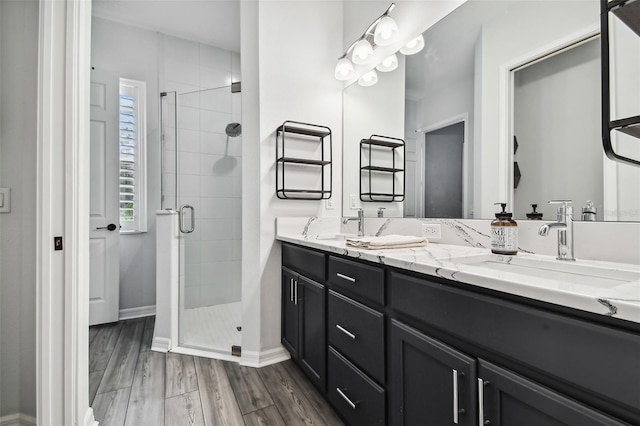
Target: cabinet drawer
304,261
568,349
360,280
358,333
353,394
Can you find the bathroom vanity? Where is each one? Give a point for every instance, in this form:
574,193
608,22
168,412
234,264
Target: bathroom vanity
438,335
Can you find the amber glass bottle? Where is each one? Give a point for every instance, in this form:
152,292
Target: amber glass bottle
504,233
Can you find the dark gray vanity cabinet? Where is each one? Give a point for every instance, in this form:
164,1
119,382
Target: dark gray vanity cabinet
554,360
431,383
304,312
393,347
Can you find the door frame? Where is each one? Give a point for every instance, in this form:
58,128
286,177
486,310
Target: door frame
62,307
466,156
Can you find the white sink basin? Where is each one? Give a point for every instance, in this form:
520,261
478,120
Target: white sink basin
568,271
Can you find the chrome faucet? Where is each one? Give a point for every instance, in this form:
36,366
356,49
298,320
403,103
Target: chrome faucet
564,225
360,220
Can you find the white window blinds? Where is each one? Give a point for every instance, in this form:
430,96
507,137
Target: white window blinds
132,137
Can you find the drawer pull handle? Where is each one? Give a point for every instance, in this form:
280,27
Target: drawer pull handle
346,398
481,421
345,331
455,396
345,277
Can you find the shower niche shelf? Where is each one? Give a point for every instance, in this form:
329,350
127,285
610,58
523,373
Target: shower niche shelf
303,157
381,165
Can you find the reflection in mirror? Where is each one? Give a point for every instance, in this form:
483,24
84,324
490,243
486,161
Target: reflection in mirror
556,124
473,71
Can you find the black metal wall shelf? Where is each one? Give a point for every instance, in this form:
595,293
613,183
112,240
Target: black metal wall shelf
294,133
628,11
368,171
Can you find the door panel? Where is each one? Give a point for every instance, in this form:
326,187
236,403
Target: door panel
443,171
290,328
512,400
103,204
312,350
431,383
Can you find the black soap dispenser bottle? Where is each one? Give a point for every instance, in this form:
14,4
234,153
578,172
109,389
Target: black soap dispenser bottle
534,215
504,233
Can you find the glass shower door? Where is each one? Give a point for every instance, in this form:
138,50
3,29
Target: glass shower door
208,171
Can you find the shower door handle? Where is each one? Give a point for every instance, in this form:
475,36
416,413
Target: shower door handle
181,222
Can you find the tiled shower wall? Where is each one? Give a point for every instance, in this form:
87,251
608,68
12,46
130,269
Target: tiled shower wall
209,166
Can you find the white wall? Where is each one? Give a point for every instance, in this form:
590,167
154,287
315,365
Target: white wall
18,97
288,52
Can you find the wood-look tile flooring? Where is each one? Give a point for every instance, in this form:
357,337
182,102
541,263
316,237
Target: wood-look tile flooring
131,385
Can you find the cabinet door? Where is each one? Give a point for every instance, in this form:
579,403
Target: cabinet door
290,328
430,382
312,351
508,399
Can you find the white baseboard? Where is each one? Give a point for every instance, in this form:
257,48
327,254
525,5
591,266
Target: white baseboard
139,312
264,358
18,419
161,344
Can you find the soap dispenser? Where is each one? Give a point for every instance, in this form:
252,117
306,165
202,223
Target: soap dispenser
589,212
534,215
504,233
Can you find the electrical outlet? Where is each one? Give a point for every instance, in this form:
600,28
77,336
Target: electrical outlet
431,231
328,203
354,202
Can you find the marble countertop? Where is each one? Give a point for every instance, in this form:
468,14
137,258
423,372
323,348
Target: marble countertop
617,296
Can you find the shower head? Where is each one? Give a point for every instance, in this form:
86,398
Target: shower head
233,129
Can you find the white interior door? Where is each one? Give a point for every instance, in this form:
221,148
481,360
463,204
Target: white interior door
104,208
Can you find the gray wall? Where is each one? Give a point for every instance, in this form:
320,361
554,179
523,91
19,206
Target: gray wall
557,123
18,100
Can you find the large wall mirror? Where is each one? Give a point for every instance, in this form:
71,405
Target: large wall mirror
502,105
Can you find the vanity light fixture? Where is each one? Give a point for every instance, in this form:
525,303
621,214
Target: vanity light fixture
413,46
382,32
386,31
388,64
344,69
368,79
362,51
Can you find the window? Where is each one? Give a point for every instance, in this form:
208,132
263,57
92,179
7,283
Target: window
133,142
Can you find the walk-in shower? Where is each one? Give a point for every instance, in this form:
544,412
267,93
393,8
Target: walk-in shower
201,180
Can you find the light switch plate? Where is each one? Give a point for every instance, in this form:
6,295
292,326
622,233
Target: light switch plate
5,200
353,201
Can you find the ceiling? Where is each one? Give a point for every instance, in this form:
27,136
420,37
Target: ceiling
212,22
